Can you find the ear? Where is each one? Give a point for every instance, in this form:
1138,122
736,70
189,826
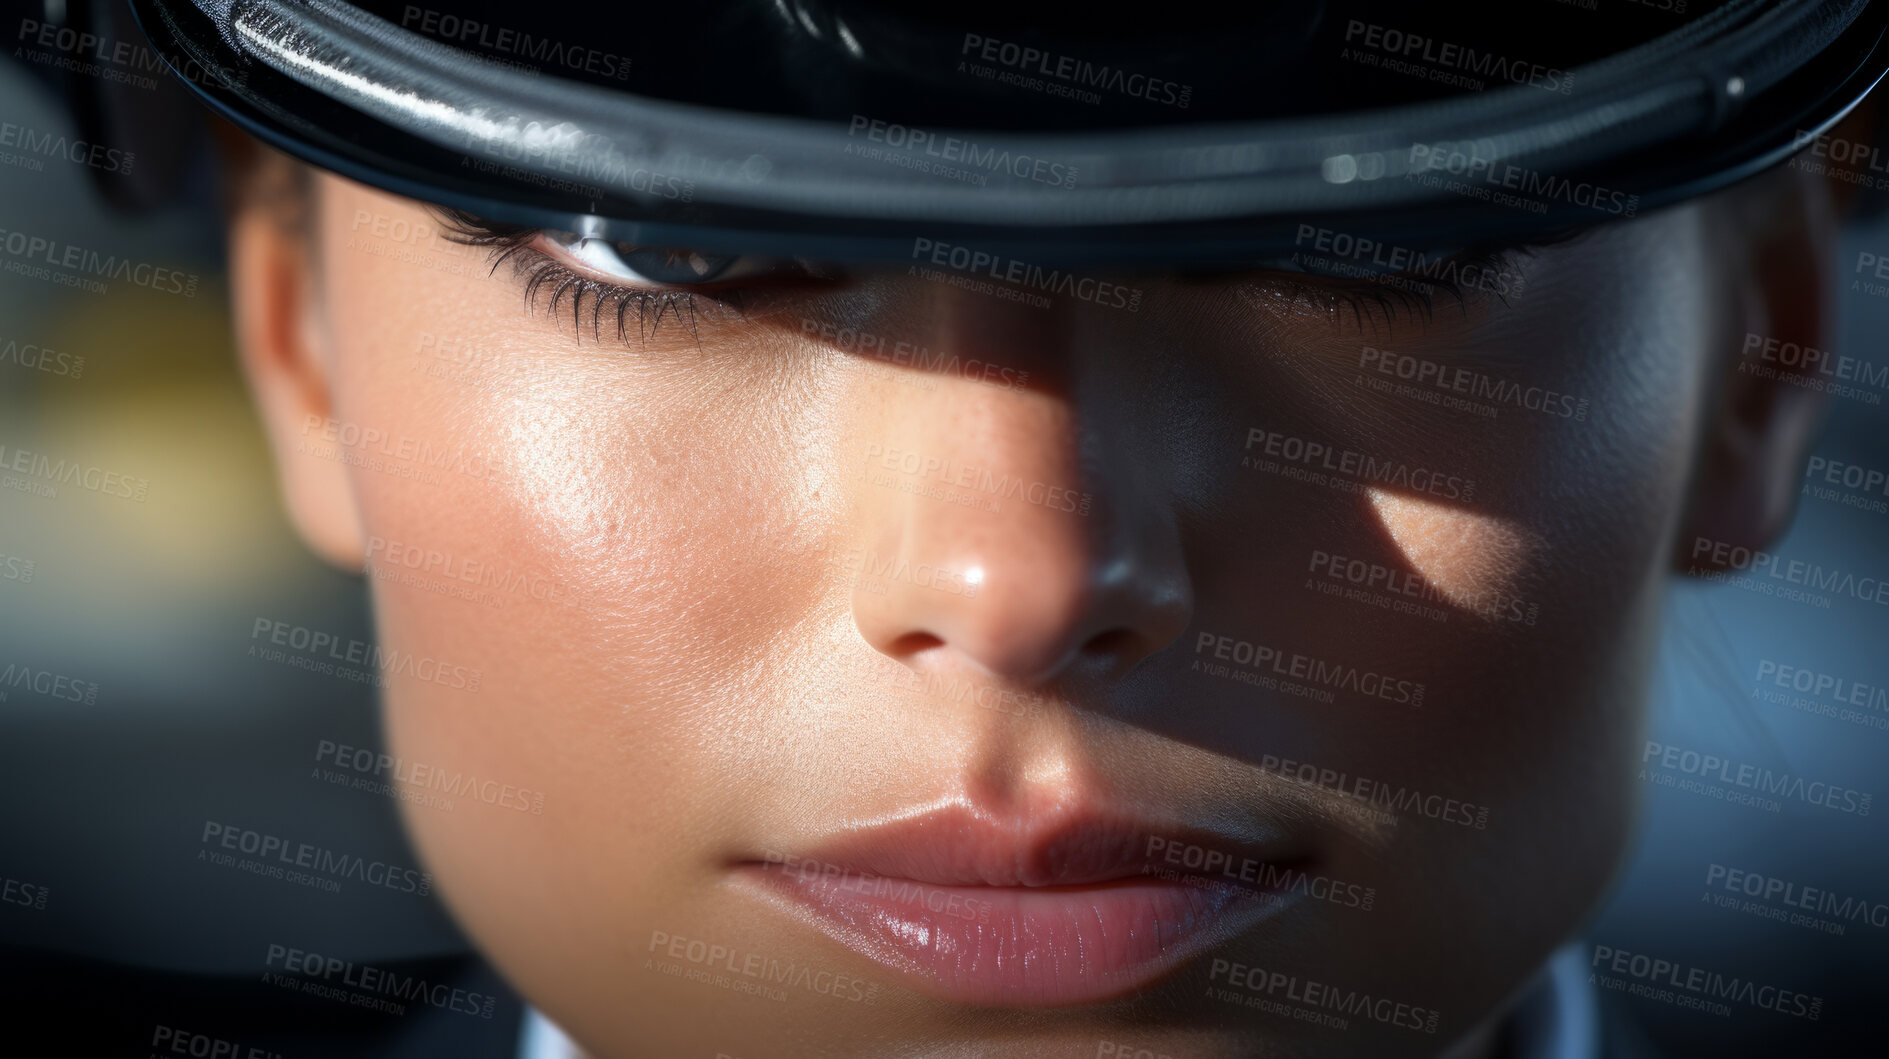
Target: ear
274,296
1751,469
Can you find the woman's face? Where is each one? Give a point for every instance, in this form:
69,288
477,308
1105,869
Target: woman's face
896,668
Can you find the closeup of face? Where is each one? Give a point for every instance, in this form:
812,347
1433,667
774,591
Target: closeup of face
900,665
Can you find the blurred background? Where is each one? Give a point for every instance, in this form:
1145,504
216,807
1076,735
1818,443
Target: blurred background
132,712
105,795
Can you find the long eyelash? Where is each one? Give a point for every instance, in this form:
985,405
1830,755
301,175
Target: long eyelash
1365,300
549,280
1370,299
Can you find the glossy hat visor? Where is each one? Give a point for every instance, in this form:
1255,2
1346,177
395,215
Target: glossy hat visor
1674,114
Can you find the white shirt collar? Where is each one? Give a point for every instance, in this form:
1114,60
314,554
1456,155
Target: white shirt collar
540,1038
1560,1017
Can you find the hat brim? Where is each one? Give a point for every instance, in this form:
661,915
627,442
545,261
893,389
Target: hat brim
1690,111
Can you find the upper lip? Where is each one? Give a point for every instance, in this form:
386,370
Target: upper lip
958,845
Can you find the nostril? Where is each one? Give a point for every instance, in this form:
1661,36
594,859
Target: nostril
913,643
1118,651
1119,643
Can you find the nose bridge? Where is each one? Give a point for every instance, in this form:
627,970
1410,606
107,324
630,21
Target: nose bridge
981,535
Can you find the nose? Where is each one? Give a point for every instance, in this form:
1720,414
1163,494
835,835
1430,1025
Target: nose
984,544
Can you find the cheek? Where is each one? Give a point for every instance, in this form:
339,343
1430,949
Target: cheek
501,441
640,509
601,526
1468,557
580,523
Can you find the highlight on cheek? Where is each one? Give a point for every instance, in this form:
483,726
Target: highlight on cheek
561,469
1470,558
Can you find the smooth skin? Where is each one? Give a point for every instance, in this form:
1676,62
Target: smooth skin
711,683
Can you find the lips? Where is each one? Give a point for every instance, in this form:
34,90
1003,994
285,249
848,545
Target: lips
1063,909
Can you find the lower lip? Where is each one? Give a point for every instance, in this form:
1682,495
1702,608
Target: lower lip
1024,946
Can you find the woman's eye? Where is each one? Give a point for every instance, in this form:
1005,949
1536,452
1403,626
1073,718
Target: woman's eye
643,266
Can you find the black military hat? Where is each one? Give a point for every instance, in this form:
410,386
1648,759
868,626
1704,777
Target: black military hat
1152,135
